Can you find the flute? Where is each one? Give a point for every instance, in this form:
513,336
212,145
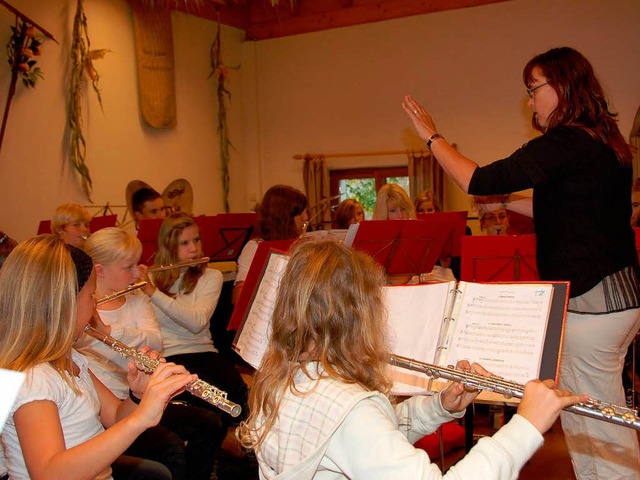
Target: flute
199,388
120,293
597,409
186,263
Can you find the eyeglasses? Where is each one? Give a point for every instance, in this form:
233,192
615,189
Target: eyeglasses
531,90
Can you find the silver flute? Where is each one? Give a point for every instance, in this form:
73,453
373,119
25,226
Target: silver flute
120,293
199,388
597,409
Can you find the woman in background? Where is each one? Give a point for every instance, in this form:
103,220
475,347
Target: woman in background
580,171
7,244
320,405
56,427
71,221
282,215
393,203
426,202
347,213
184,300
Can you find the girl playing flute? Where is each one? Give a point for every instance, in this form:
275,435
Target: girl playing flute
56,428
184,300
320,405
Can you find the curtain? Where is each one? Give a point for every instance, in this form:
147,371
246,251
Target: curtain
425,173
316,185
634,140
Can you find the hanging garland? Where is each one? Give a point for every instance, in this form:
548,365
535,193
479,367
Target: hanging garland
81,61
22,48
220,72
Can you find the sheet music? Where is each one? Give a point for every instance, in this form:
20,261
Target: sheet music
502,327
351,234
253,338
417,314
11,382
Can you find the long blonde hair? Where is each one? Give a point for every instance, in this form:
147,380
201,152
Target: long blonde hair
170,231
330,310
38,306
392,191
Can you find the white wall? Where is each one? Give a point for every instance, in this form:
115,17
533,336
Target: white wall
340,90
34,171
325,92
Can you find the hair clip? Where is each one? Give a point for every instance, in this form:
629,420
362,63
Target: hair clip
4,237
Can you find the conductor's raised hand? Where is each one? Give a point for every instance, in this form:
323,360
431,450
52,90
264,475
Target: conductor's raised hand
456,397
422,121
542,403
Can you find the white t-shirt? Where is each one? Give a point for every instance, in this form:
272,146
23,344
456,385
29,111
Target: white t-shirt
133,324
79,414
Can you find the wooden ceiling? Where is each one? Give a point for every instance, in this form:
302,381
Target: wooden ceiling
261,20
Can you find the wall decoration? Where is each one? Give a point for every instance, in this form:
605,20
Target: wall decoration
22,49
82,58
221,72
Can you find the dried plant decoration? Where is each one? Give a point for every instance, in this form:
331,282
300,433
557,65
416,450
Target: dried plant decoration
79,52
221,72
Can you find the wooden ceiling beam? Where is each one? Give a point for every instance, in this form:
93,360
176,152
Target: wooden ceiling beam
234,13
266,22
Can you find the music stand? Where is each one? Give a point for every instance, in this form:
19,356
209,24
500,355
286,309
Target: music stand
636,231
499,258
458,220
403,247
253,278
148,230
224,235
103,221
97,223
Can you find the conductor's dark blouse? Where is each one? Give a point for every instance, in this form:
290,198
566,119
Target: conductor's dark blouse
581,207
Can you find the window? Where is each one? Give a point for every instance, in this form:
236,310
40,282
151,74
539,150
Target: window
363,184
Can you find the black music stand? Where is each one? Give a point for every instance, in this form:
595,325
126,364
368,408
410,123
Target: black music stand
403,247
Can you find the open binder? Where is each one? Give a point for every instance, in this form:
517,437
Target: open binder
255,275
403,246
514,330
499,258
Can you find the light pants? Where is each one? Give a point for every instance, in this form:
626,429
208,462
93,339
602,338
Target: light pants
592,361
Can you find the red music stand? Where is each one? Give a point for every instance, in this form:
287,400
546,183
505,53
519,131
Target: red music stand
253,278
103,221
97,223
636,230
458,220
499,258
224,235
403,247
148,230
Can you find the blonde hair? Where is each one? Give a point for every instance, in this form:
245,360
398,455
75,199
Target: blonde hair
111,245
427,196
392,191
66,214
38,306
329,309
168,238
